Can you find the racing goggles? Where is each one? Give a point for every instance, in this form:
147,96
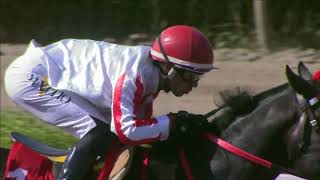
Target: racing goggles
188,76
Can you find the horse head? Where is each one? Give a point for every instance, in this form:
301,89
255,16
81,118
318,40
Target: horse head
304,137
296,140
263,132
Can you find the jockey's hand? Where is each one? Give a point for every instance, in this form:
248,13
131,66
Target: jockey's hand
187,126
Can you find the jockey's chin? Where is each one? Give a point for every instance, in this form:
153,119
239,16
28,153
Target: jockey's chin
179,93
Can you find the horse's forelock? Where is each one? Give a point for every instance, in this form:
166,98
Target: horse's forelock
240,101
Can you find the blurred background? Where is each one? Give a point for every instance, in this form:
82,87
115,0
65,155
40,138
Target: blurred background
228,23
253,40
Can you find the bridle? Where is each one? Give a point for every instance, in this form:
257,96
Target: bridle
308,108
299,134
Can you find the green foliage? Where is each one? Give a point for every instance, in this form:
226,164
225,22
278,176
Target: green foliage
32,127
288,21
227,39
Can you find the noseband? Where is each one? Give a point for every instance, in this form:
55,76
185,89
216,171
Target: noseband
299,135
308,109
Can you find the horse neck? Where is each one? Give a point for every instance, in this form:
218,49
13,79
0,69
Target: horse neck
257,131
265,120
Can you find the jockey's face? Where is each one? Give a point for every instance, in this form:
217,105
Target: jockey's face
179,85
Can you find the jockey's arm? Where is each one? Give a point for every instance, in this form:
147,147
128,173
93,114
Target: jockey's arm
126,114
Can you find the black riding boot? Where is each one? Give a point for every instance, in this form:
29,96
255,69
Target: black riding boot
82,156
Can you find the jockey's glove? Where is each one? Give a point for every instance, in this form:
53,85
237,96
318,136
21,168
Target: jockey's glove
187,126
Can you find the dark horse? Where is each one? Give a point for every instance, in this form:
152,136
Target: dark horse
275,125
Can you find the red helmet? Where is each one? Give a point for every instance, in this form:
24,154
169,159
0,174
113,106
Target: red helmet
316,76
185,47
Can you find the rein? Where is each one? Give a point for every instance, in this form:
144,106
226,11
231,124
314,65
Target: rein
235,150
246,155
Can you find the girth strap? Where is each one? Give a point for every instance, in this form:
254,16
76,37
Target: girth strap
145,164
185,163
109,161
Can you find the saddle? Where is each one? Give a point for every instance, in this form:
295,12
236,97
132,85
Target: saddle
57,156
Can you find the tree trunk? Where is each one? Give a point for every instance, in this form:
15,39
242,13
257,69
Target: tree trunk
191,10
155,15
237,15
262,32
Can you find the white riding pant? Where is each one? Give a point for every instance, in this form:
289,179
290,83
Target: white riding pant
26,84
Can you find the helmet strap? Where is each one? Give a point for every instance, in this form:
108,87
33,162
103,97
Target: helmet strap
163,52
166,77
172,71
171,74
163,73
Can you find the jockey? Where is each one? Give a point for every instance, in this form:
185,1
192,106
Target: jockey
100,91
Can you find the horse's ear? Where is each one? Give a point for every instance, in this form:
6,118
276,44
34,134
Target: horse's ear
304,71
300,85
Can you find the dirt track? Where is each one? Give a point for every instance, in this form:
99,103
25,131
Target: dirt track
238,67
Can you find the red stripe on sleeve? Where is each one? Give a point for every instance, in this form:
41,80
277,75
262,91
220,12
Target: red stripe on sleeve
137,97
117,114
145,122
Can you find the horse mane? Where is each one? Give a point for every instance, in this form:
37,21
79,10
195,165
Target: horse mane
237,103
266,96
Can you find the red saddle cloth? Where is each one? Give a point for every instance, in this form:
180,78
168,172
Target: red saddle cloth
25,164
